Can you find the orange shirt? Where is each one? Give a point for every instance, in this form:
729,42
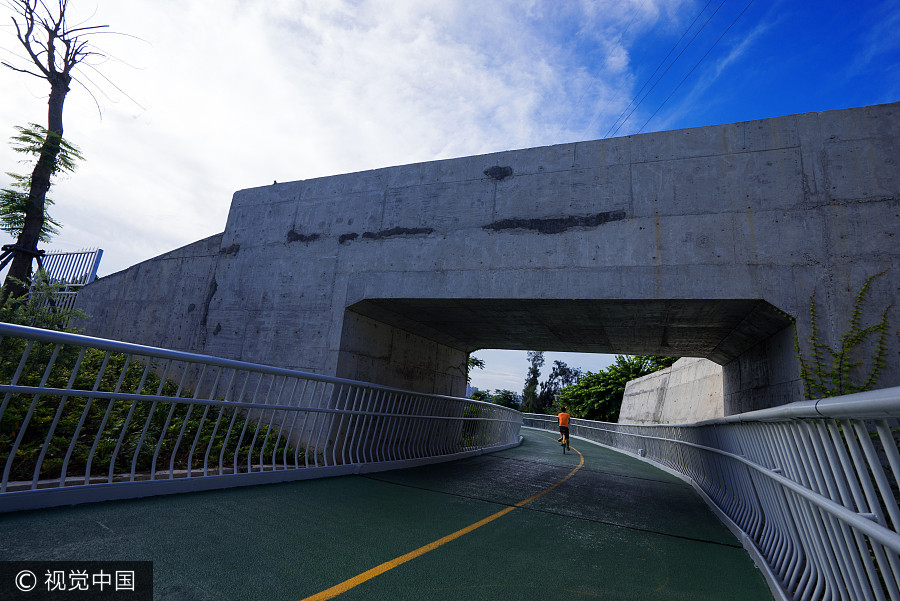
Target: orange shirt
563,419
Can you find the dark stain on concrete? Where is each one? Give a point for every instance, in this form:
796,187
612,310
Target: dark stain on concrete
213,286
231,250
498,173
295,236
397,231
556,225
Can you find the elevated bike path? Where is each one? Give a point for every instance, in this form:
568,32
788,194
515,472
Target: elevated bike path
526,523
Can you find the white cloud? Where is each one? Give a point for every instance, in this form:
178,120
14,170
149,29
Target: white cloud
234,94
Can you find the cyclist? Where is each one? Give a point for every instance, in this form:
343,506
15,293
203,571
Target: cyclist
563,426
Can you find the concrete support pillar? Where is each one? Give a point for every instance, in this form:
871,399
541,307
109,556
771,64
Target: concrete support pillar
373,351
765,376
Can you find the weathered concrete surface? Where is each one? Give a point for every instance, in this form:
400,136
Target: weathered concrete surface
160,302
701,242
689,391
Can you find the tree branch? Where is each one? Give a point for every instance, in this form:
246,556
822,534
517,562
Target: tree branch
27,38
77,29
5,64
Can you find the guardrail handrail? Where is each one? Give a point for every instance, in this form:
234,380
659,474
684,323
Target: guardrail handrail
131,420
52,336
812,488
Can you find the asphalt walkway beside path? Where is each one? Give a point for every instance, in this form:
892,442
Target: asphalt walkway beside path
614,529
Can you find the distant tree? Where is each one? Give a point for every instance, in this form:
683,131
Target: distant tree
561,376
507,398
481,395
530,402
53,51
599,395
473,362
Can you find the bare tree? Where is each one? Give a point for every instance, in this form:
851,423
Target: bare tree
53,50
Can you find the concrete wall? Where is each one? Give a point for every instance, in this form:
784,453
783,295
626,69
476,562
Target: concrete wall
161,302
372,351
689,391
702,243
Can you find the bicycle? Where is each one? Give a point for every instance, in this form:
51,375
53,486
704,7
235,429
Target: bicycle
564,442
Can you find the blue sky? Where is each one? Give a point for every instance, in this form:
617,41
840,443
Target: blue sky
212,96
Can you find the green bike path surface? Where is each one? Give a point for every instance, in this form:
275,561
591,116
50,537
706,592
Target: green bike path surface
618,529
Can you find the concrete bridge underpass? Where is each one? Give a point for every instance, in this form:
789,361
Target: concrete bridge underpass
706,242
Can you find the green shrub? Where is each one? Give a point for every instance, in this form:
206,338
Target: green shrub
106,424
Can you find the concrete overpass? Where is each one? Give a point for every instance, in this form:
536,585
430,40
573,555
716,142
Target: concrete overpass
704,242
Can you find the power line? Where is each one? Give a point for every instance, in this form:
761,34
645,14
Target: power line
672,64
661,63
696,65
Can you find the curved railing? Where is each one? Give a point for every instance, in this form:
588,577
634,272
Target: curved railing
812,487
85,419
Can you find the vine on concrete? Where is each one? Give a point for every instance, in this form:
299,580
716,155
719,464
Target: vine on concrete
821,379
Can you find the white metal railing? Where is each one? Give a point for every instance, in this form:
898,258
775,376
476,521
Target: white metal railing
71,271
812,486
85,419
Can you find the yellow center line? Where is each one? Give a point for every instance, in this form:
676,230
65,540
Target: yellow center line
346,585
